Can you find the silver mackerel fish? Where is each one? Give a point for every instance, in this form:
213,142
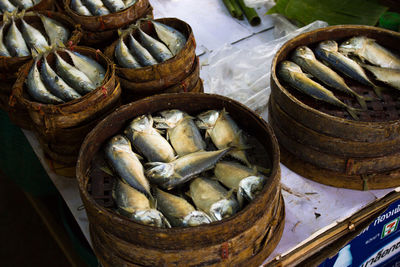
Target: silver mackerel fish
136,206
182,132
292,74
368,50
126,164
305,58
212,198
181,170
178,211
174,39
328,52
148,141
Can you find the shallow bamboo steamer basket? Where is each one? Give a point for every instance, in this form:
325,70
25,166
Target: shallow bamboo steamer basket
9,65
168,72
343,152
72,113
248,236
111,21
322,122
103,39
43,5
133,91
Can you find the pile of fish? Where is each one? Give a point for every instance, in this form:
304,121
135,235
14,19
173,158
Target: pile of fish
350,59
19,42
100,7
14,5
184,180
65,82
148,50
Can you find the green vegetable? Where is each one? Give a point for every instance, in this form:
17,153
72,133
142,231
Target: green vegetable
250,13
233,8
364,12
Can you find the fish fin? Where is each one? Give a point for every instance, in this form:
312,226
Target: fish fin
361,101
308,75
187,193
153,164
6,17
237,140
240,198
107,170
262,169
229,194
378,91
60,44
21,14
352,113
138,156
35,54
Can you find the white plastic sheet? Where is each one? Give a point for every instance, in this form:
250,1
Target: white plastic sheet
244,73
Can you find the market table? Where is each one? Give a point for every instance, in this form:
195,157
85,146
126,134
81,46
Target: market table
316,215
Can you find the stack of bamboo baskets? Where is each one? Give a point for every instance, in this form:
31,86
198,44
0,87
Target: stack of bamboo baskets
101,30
9,66
245,238
61,128
178,74
322,142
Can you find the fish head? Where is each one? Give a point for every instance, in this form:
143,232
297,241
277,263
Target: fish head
170,118
159,170
207,120
328,45
353,45
286,67
151,217
223,209
196,218
142,123
304,52
249,187
119,140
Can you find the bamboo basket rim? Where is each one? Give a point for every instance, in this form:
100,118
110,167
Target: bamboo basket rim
108,17
315,111
82,174
33,13
110,73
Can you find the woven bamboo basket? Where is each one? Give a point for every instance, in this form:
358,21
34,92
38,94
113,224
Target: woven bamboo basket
168,72
247,237
99,30
346,153
61,128
133,91
9,66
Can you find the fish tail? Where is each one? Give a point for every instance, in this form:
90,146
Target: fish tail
6,17
378,91
352,112
361,101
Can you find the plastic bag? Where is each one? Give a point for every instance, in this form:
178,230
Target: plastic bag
258,3
244,73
